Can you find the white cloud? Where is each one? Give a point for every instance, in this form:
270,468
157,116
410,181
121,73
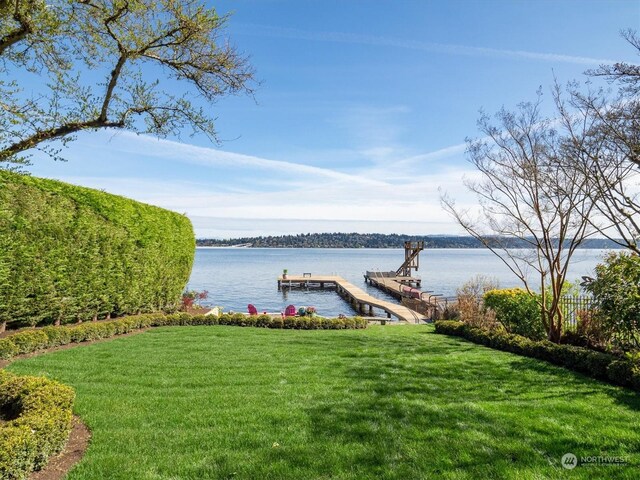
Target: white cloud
394,196
342,37
211,157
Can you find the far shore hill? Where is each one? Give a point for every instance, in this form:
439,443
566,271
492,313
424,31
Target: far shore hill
375,240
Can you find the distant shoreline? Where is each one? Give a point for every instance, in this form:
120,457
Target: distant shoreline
615,247
375,241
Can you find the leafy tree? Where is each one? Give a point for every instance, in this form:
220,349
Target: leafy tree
616,290
134,64
523,195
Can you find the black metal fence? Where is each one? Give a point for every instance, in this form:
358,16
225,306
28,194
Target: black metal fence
576,307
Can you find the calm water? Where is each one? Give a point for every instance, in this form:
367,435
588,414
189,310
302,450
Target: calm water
236,277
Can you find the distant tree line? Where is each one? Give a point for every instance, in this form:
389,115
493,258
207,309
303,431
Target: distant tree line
372,240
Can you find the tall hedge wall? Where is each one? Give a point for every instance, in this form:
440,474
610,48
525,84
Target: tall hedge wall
70,253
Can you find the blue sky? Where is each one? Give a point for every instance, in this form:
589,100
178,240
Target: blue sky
361,114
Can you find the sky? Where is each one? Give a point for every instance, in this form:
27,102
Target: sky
360,117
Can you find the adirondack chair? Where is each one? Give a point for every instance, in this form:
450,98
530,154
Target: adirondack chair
252,310
290,311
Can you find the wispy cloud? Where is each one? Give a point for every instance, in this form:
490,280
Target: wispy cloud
444,48
400,195
212,157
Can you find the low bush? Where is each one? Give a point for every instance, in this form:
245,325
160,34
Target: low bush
604,366
38,415
517,310
33,340
470,305
30,341
616,293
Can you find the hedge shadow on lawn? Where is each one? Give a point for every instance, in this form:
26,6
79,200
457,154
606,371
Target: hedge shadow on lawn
621,395
406,396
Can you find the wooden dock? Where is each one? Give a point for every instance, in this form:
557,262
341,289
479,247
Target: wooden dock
391,283
362,302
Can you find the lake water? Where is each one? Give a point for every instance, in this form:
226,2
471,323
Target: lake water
236,277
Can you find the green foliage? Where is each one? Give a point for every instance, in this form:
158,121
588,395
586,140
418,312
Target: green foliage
39,415
137,47
604,366
517,310
69,253
29,341
374,240
616,290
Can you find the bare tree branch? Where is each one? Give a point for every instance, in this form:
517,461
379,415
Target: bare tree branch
523,194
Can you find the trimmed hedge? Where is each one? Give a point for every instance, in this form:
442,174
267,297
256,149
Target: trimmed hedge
38,414
29,341
70,253
602,366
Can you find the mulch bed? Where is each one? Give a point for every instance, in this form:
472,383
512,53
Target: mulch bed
58,466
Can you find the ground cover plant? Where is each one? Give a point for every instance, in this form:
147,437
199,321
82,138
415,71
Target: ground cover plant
385,402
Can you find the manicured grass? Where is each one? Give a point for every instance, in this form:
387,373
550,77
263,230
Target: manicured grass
387,402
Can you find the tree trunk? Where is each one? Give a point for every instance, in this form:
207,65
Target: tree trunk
108,316
3,326
555,324
95,318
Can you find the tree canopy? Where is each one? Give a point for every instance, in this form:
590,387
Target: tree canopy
151,66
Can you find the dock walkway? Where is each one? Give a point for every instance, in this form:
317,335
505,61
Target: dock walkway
356,296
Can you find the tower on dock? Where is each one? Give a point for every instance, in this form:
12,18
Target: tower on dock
411,258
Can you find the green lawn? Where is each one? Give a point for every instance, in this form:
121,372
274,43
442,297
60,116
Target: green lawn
386,402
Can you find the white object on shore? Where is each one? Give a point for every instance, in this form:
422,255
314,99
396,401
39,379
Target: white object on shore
214,311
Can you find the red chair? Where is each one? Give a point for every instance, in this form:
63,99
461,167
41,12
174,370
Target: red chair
252,310
290,311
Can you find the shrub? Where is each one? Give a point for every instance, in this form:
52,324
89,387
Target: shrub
277,322
57,336
30,341
517,310
193,298
8,349
263,320
616,291
38,425
604,366
625,372
69,253
470,304
47,337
